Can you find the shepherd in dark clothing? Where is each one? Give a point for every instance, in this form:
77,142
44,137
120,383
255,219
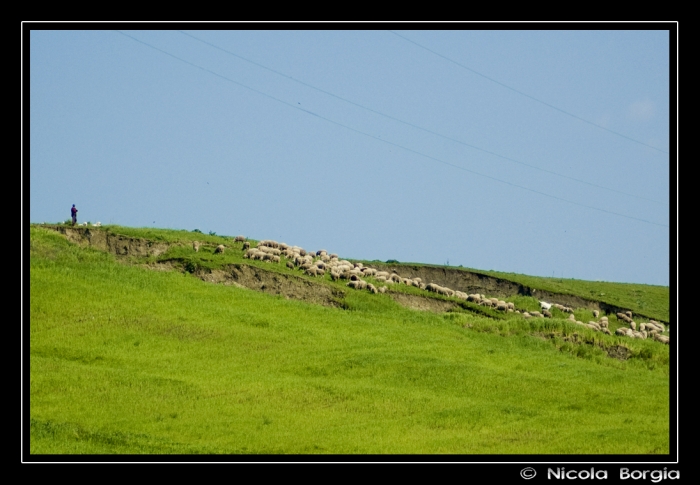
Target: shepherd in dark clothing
74,214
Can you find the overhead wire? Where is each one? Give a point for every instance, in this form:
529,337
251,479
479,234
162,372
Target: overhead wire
297,107
527,95
510,159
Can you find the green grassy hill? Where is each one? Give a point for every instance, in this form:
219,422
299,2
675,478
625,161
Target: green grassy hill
140,345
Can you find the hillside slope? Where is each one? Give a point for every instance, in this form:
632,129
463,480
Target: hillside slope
132,351
646,301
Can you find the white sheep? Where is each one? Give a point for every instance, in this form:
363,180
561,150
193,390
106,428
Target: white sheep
314,271
662,338
250,253
624,317
545,306
219,249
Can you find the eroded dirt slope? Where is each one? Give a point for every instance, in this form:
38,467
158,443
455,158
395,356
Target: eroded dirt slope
469,282
274,283
242,275
300,288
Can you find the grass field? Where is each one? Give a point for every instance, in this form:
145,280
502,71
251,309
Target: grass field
128,360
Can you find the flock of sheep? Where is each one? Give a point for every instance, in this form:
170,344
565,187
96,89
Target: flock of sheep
652,328
321,262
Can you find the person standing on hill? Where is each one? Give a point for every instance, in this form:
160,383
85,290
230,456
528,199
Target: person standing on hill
74,214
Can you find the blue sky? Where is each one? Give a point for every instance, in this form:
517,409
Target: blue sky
542,152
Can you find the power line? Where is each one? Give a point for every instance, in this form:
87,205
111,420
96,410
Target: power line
380,139
525,94
416,126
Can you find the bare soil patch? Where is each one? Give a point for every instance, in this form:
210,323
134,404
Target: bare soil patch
240,275
114,243
273,283
471,282
416,302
